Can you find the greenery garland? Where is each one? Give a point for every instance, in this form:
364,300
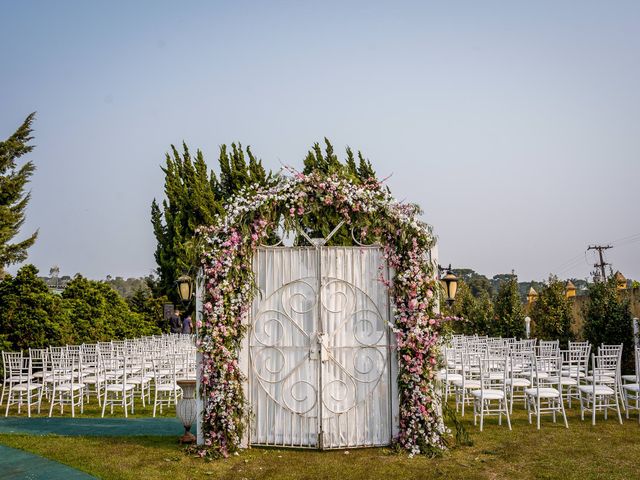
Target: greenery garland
251,218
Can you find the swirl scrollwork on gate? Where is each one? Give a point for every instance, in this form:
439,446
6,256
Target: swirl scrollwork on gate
353,349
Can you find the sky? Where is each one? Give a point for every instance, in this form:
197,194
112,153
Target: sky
515,125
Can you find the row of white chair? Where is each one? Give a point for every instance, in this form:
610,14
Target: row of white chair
112,372
492,373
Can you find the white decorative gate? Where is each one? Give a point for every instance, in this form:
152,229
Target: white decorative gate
319,348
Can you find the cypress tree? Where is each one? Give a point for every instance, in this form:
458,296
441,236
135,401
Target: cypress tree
321,222
551,313
13,199
193,197
608,319
508,310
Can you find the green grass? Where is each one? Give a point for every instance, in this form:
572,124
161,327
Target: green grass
608,450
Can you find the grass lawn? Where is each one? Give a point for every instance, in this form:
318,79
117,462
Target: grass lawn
608,450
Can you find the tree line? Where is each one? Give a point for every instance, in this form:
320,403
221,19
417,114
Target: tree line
195,195
607,313
88,311
31,314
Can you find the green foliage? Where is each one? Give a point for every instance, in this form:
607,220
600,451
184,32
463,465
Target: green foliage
98,312
608,318
31,316
320,222
194,196
476,282
477,312
509,318
551,313
13,200
127,287
151,308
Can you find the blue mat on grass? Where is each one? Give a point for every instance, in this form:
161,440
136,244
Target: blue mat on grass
16,464
92,427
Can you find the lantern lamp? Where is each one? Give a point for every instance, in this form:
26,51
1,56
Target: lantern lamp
185,288
450,285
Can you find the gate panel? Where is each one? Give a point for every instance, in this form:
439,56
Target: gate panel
356,407
283,379
319,351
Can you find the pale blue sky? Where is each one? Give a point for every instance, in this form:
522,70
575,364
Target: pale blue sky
515,125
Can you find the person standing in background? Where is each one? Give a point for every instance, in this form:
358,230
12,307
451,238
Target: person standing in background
186,325
175,322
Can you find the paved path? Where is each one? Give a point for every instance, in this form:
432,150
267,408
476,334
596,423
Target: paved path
108,427
16,464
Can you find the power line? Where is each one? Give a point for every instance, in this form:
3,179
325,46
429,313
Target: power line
571,266
633,237
569,262
573,262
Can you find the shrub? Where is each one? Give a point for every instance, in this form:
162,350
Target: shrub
150,307
551,313
476,312
509,318
31,316
608,319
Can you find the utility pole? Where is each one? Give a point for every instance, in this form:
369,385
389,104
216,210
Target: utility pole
602,263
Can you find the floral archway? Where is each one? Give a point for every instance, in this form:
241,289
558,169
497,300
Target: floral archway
250,220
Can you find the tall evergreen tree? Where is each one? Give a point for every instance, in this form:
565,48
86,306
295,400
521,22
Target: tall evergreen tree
477,312
551,313
13,199
509,318
608,319
194,195
320,223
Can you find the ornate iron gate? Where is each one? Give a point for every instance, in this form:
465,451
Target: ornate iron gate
319,359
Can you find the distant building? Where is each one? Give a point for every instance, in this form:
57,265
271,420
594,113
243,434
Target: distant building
621,281
56,284
570,289
532,296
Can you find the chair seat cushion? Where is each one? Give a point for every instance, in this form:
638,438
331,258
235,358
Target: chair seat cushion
67,387
467,383
600,389
601,379
24,387
632,387
569,381
546,392
138,380
119,388
166,388
488,394
519,382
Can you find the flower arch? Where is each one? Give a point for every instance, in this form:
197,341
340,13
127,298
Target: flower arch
229,291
